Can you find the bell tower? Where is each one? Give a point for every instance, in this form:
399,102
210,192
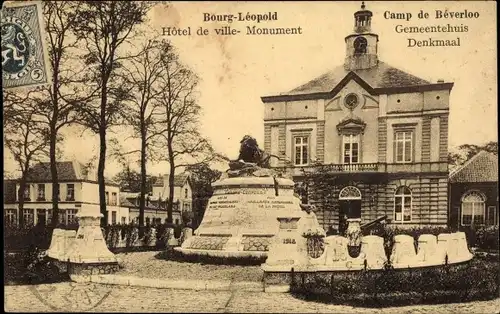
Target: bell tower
361,45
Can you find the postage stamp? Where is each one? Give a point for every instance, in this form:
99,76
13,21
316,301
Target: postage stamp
25,60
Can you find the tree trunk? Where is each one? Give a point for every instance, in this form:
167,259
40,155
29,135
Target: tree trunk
55,179
20,197
170,192
102,155
142,199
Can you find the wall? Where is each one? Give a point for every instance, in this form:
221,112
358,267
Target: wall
429,201
457,190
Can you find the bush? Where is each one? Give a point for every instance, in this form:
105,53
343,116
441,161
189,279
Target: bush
487,238
477,280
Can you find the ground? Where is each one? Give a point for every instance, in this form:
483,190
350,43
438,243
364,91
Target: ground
148,265
137,299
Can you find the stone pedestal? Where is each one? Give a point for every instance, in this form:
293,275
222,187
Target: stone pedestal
372,247
353,233
403,253
89,250
56,244
241,216
463,250
427,250
289,248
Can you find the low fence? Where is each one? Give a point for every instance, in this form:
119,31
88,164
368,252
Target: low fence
118,237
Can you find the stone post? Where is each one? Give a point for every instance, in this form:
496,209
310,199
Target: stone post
89,246
353,235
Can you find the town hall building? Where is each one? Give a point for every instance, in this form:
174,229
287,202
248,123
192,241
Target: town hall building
381,132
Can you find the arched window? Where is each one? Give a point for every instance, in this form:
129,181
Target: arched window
402,204
473,209
350,193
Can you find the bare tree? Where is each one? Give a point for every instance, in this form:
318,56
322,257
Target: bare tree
142,74
185,145
105,28
26,140
55,105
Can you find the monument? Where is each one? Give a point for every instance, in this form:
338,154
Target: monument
248,205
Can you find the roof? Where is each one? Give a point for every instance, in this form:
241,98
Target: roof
130,202
66,171
483,167
179,179
9,191
377,79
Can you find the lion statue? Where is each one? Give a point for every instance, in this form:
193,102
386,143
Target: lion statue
251,158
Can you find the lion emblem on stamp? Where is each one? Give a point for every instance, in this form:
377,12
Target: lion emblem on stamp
24,56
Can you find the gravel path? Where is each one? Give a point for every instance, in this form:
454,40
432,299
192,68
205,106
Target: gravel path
147,265
69,297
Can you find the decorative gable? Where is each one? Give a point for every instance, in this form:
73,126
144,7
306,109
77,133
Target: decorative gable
351,125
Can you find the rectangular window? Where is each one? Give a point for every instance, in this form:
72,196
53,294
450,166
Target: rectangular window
114,198
185,193
107,198
187,207
41,192
404,146
124,220
10,217
28,217
58,192
113,217
351,149
402,208
49,216
492,216
27,193
71,216
70,192
301,150
473,213
41,216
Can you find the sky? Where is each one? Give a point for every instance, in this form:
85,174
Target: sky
237,70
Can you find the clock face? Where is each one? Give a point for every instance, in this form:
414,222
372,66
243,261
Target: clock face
360,45
351,101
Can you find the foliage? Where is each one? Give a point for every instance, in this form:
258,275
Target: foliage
202,177
104,29
477,280
130,180
487,238
467,151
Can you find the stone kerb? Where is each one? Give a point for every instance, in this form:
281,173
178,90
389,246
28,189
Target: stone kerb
56,244
372,247
428,251
403,253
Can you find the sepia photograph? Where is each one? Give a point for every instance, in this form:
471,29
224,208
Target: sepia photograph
250,157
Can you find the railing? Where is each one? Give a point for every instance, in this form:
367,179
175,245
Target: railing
353,167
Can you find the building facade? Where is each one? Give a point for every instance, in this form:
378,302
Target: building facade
155,210
382,132
183,191
77,187
474,192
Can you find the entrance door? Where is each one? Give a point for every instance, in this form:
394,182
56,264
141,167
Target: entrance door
349,206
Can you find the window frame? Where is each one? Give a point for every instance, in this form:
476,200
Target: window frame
483,202
27,193
11,216
31,212
40,196
303,146
351,136
68,198
114,198
495,215
71,212
403,204
403,142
